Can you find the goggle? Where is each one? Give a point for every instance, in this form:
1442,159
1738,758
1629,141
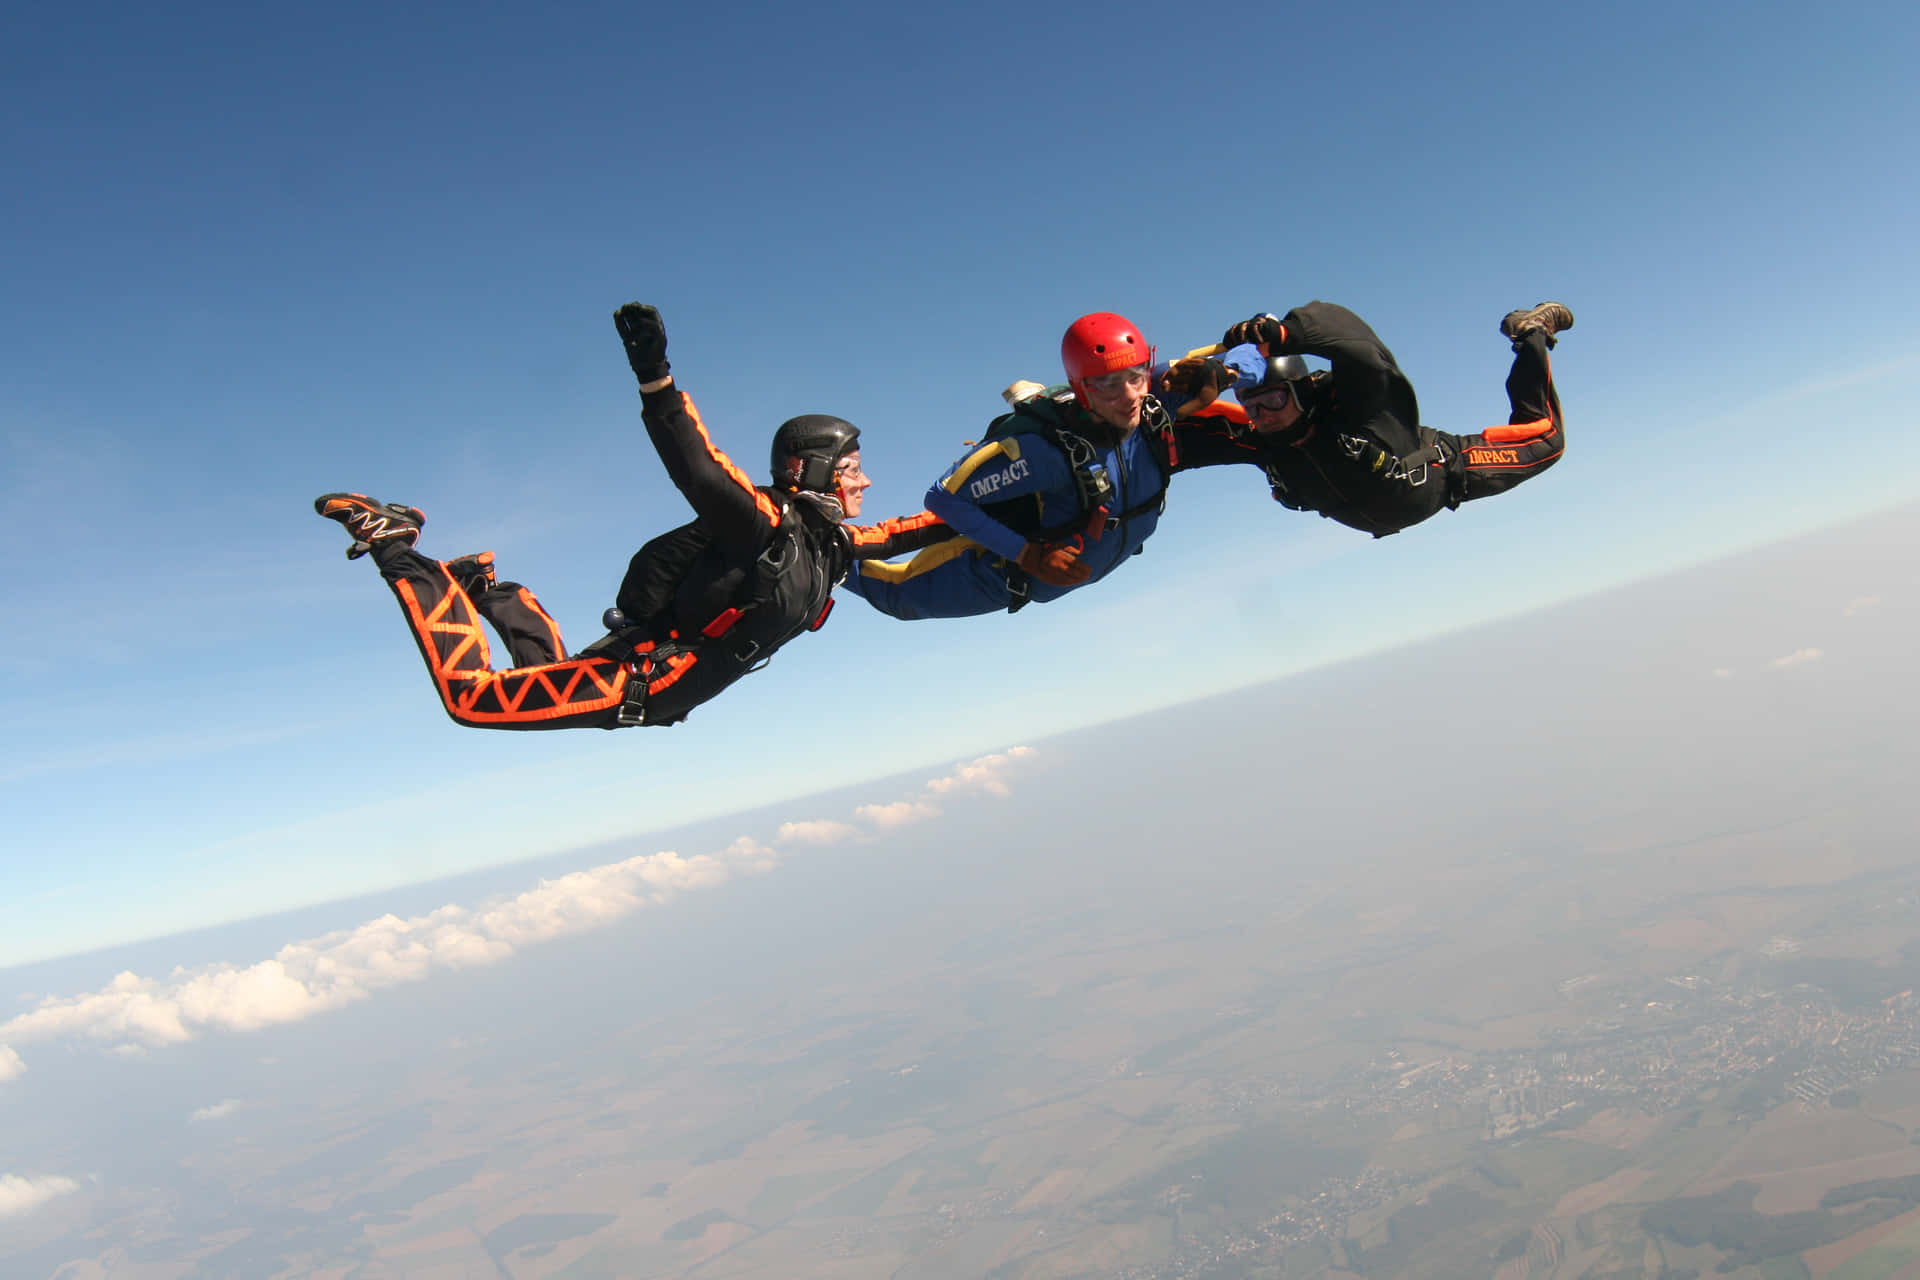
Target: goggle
847,470
1270,400
1129,379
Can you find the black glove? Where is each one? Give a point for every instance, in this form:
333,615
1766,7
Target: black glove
1262,330
1199,378
646,338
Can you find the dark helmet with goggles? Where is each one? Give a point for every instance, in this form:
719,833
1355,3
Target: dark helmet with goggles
806,449
1281,371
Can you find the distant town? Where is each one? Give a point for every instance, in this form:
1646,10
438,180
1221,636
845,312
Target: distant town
1661,1045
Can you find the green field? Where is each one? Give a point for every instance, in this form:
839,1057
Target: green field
1876,1263
1883,1259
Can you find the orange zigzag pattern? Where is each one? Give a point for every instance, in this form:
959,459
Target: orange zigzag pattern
456,649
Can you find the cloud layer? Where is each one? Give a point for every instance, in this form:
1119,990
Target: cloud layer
816,832
20,1195
320,974
897,814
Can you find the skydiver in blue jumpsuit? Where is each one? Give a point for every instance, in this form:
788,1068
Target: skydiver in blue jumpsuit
1060,500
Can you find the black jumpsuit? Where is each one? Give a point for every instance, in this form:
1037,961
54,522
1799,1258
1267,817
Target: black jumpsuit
1331,461
756,568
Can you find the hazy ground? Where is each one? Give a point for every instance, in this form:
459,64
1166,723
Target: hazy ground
1470,960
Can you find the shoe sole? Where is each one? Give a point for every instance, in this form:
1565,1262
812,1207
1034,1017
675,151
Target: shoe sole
367,520
1516,322
331,504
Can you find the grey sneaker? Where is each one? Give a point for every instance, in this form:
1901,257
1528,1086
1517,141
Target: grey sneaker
1549,317
474,573
369,521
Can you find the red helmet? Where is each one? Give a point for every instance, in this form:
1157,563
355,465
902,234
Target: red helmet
1101,343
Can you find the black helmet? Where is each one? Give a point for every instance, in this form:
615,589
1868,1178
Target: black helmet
1289,369
806,448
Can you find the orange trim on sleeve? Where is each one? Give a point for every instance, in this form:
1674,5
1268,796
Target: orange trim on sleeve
760,500
1516,432
867,535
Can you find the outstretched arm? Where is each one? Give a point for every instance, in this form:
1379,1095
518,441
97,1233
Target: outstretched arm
1324,329
735,510
898,536
1374,396
1213,442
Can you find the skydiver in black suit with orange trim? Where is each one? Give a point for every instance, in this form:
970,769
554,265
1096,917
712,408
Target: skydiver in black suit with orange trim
701,605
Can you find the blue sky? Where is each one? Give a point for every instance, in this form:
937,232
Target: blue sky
253,258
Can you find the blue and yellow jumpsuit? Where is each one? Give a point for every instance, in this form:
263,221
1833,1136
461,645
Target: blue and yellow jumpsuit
1021,488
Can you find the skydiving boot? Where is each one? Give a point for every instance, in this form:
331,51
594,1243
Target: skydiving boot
371,523
474,573
1549,317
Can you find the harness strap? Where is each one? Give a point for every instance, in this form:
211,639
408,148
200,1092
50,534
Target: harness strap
639,656
1019,588
1453,465
1157,503
1170,446
632,711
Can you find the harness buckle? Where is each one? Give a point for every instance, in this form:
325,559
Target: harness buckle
1019,589
632,711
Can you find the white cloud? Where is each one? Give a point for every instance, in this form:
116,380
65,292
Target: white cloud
319,974
218,1111
1722,673
1861,605
749,856
984,774
816,832
897,814
133,1013
1797,657
20,1195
